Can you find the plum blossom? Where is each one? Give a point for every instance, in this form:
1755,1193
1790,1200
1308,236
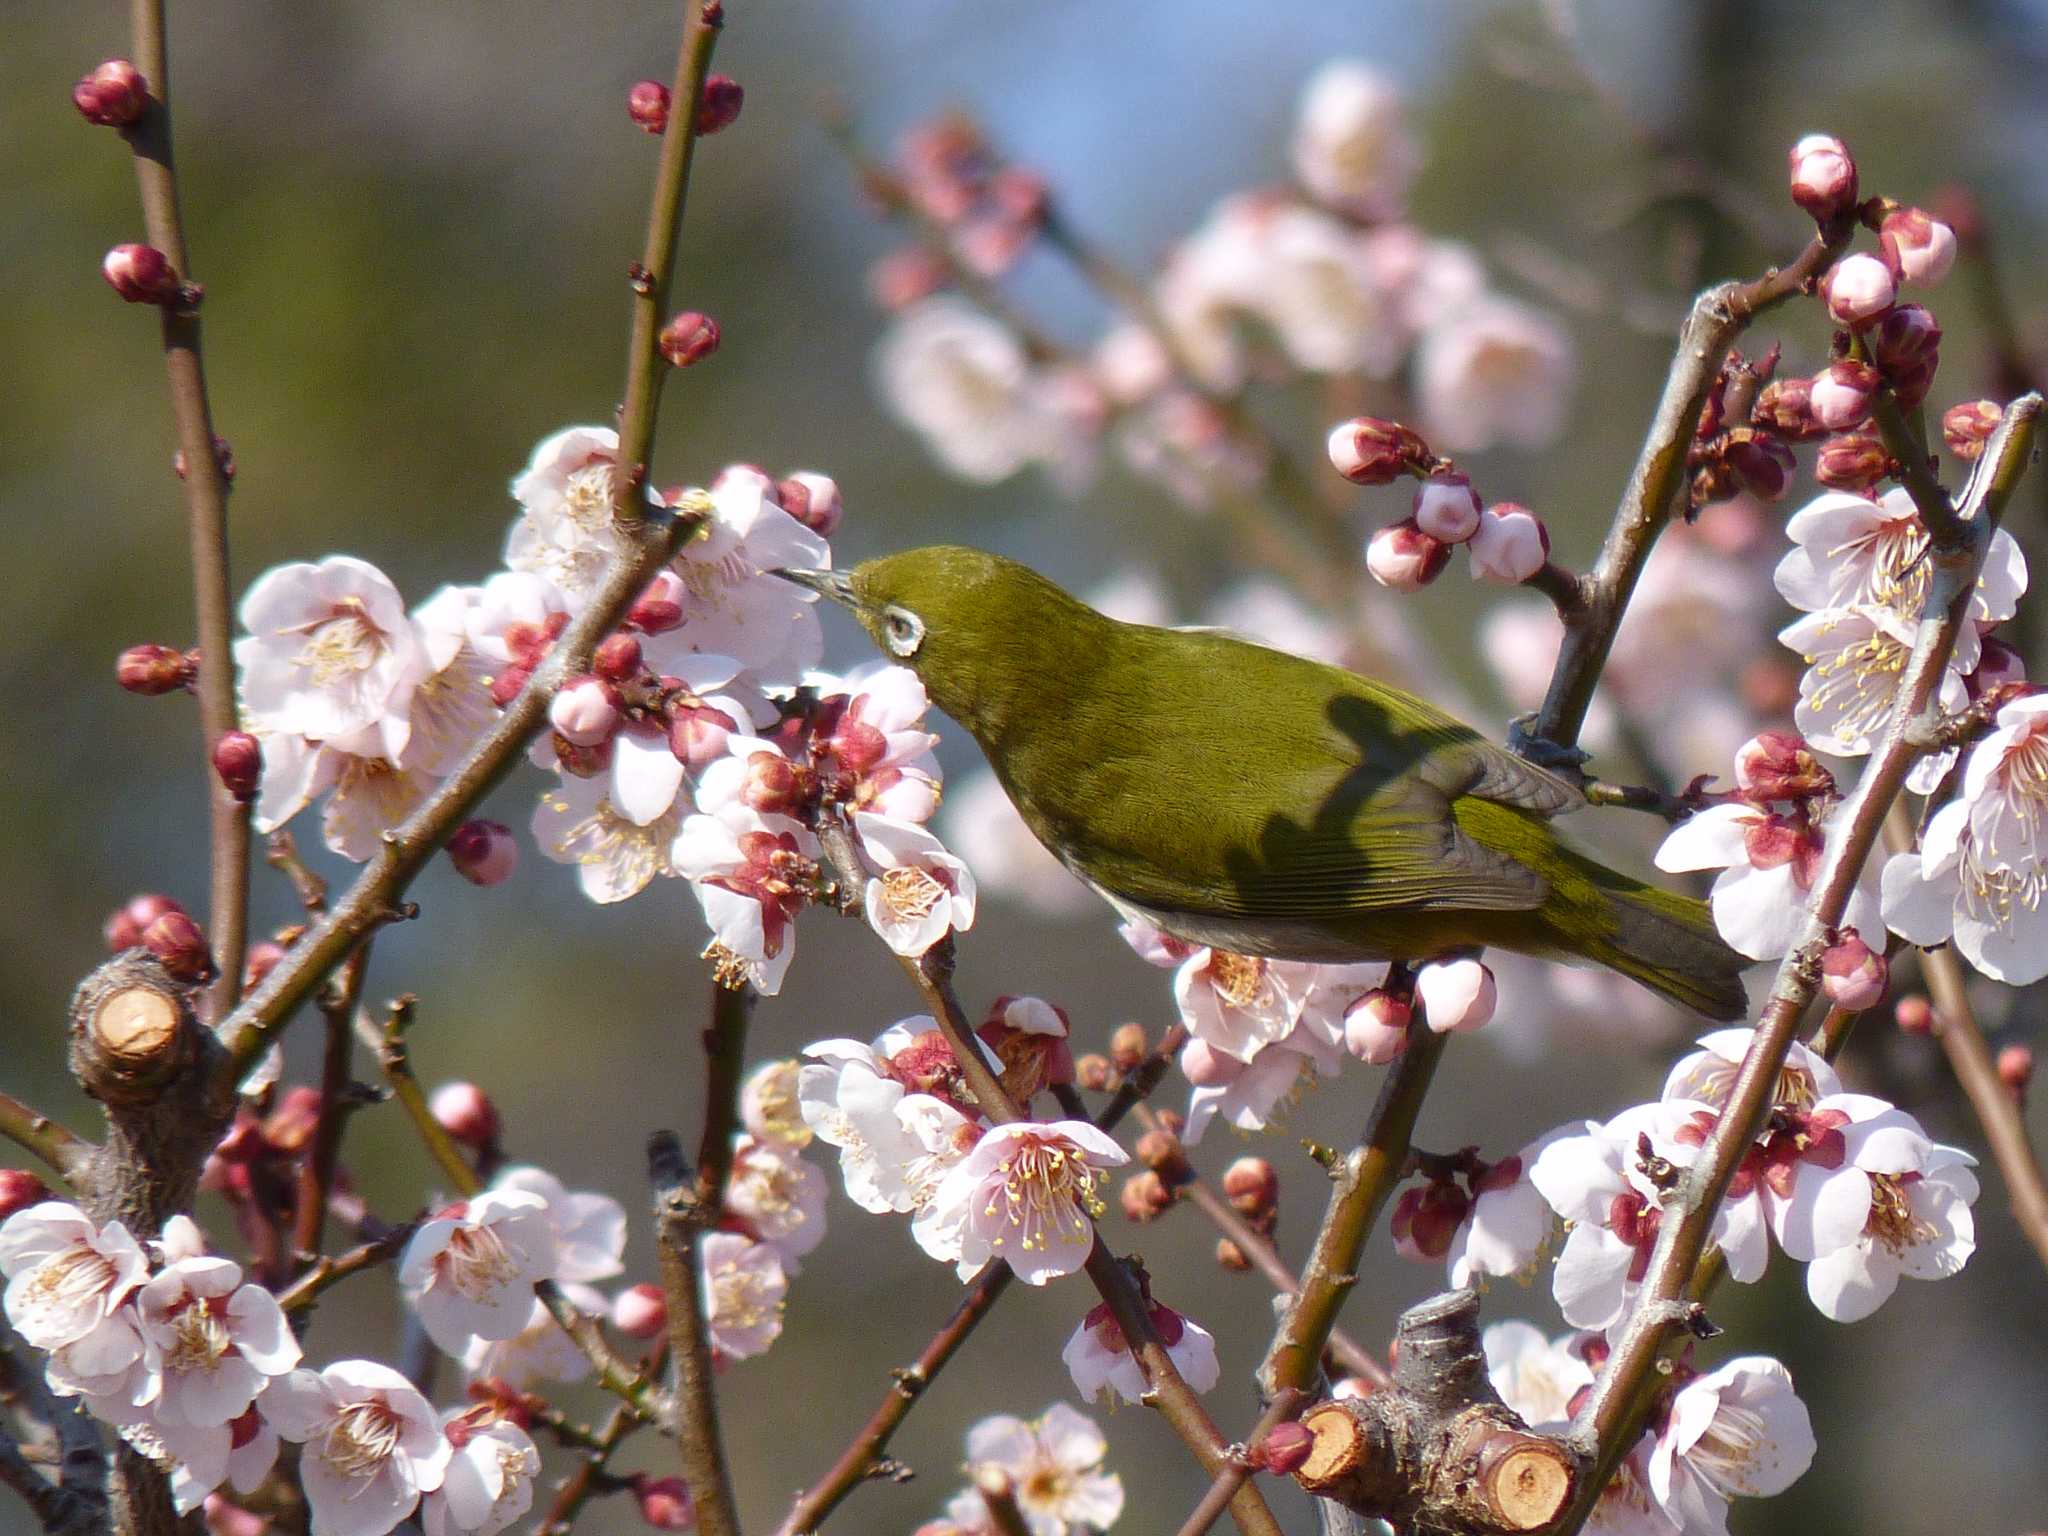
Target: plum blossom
566,494
1982,866
922,892
1708,1074
1351,146
779,1196
1854,659
373,1444
1026,1193
367,791
577,822
469,1272
66,1281
1247,1095
869,744
731,604
1768,863
1535,1376
540,1350
1494,371
489,1483
751,874
1054,1463
218,1341
330,651
589,1226
744,1284
1737,1430
1850,551
452,704
1105,1368
770,1106
240,1453
895,1145
1507,1222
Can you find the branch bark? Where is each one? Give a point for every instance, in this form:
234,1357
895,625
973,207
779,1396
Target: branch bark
680,1220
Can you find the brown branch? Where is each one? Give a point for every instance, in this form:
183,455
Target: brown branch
589,1477
1905,440
725,1046
64,1151
82,1464
1283,1409
999,1498
1608,1422
206,504
323,1157
329,1271
1361,1182
680,1220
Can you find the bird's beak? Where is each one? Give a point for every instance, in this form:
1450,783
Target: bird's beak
836,585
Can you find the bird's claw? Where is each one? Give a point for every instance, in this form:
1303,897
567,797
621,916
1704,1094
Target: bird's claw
1541,750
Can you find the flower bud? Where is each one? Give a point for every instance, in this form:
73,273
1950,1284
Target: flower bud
1857,289
1144,1197
1456,995
1852,461
697,734
114,96
585,712
1510,546
1998,666
179,946
154,670
1842,396
1093,1072
1376,1027
659,608
124,929
238,759
1905,340
1252,1187
664,1502
466,1112
484,852
1823,176
2016,1069
1447,508
647,103
1172,1120
617,658
1763,465
1206,1067
1913,1014
1426,1218
223,458
1162,1152
812,499
20,1189
1367,450
1785,406
688,338
1284,1449
1852,974
1231,1257
1966,428
291,1123
640,1312
141,274
1778,765
1404,558
260,960
720,108
1917,246
1128,1047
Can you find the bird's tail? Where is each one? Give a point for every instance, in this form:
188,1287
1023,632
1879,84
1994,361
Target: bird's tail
1668,943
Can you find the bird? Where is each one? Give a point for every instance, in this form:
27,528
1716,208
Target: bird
1257,802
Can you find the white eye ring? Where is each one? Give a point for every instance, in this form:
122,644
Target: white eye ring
902,631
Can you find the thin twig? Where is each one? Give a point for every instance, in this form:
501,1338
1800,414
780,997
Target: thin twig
323,1157
206,505
331,1271
64,1151
589,1476
395,1059
999,1498
679,1223
1282,1410
725,1045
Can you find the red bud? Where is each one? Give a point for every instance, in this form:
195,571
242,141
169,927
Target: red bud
720,108
466,1112
154,670
141,274
647,103
689,338
484,852
1966,428
114,96
20,1189
238,759
180,946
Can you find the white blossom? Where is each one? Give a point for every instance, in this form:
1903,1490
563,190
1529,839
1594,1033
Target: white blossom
1738,1430
66,1277
540,1350
1768,865
577,823
1493,372
744,1284
779,1196
219,1341
589,1226
1535,1376
372,1444
921,892
489,1482
1027,1193
330,651
1351,146
1054,1463
469,1272
1105,1369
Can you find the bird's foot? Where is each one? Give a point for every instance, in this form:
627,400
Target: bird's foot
1541,750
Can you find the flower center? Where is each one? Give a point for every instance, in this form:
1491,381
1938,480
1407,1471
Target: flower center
633,854
1044,1187
1891,1220
742,1298
476,1262
76,1278
588,496
199,1338
1728,1449
361,1438
911,894
342,646
1238,979
1857,683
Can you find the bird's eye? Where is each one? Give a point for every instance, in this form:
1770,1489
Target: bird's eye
902,630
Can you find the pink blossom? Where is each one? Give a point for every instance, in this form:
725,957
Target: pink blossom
1738,1430
489,1482
1105,1369
1026,1193
744,1283
330,651
1456,995
1351,146
373,1444
1054,1463
1510,545
921,892
469,1272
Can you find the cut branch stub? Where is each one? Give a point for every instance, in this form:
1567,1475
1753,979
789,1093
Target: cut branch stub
1438,1451
132,1030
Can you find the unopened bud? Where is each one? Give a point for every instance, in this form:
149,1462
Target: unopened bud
1404,558
484,852
1917,246
1447,508
1163,1154
664,1502
1763,465
617,659
1284,1449
697,734
720,108
1456,995
640,1312
2016,1069
124,929
1778,765
179,946
114,96
259,961
238,759
689,338
659,608
1252,1187
1852,974
1998,666
1841,397
1231,1257
20,1189
1128,1047
772,785
585,712
1785,406
1370,451
141,274
647,103
1426,1217
1852,461
1906,341
1093,1072
1510,546
1144,1197
1823,176
154,670
466,1112
1172,1120
1376,1027
1966,428
1857,289
1913,1014
813,500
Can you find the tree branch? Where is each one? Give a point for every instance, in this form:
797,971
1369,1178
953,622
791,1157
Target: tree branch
679,1222
323,1157
64,1151
1283,1409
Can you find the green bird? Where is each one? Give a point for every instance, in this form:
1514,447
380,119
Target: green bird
1237,796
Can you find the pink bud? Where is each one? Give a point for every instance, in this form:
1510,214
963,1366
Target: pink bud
2016,1069
1251,1186
1998,666
772,785
1369,451
484,852
1456,995
689,338
697,734
720,108
153,670
1852,974
1447,508
114,96
1376,1027
259,961
664,1502
1966,428
141,274
1404,558
659,608
1843,395
466,1112
647,103
238,759
1917,246
1426,1218
812,499
1914,1015
640,1312
734,476
1857,289
179,946
1145,1197
123,930
20,1189
581,762
617,659
1511,545
1777,765
1854,461
1206,1067
1823,176
1905,340
585,712
1763,465
1284,1449
1785,406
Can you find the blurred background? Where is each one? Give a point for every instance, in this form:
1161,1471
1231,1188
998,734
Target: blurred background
413,222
